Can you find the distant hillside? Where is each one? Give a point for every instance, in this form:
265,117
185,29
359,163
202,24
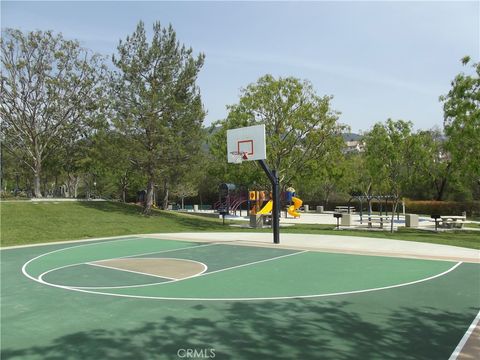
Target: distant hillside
351,137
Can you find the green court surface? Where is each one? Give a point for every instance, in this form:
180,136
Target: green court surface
118,299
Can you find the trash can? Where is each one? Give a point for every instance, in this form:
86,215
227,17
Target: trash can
347,220
411,220
256,221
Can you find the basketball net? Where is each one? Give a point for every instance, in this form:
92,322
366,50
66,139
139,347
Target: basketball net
239,156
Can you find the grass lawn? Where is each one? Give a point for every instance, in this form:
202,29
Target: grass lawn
473,225
29,223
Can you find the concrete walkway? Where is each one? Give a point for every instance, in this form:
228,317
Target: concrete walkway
338,244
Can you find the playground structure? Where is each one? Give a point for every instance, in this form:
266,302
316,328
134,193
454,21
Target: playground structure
257,198
232,197
294,201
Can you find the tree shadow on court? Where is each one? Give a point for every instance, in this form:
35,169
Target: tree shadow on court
298,329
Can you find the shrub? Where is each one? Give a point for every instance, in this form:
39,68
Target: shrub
472,208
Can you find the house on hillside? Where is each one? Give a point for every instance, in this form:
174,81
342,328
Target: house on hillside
353,143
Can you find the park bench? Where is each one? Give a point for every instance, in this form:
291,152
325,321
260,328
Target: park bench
375,219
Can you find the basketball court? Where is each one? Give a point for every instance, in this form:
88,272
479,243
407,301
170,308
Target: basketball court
240,295
148,296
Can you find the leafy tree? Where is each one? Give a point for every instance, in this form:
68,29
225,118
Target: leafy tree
390,151
157,101
113,163
51,88
359,179
300,126
327,176
185,189
462,121
433,166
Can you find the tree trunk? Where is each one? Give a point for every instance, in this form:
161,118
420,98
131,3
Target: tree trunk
55,189
165,196
36,179
75,186
394,211
443,184
124,183
441,189
45,187
149,196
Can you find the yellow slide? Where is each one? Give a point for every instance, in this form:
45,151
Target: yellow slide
267,208
296,204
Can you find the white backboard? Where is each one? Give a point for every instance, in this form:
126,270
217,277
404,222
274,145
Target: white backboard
248,140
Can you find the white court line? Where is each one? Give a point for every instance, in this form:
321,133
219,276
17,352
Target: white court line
247,299
170,281
280,297
205,268
118,257
465,338
40,277
130,271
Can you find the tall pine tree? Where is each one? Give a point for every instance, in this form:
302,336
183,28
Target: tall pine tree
157,102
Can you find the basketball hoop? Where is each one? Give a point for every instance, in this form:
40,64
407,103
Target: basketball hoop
239,156
246,144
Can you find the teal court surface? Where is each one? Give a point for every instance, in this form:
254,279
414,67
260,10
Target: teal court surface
226,297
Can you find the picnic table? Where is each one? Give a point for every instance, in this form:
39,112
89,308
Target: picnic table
451,221
345,209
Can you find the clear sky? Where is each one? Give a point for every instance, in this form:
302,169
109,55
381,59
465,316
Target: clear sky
378,59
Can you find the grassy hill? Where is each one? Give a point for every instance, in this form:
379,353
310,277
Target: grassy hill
28,223
32,223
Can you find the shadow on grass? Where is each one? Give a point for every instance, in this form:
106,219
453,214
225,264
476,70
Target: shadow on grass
113,207
300,329
172,221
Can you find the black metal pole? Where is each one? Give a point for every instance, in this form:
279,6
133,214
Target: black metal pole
272,176
276,209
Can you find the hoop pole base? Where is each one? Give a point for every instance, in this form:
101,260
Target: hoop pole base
272,176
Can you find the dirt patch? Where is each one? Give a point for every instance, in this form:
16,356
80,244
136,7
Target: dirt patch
174,269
